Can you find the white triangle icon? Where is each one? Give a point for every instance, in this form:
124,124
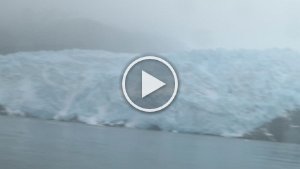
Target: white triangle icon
150,84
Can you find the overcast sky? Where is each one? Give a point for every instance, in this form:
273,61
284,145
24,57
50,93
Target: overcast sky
195,23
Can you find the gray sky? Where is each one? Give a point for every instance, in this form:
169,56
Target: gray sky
194,24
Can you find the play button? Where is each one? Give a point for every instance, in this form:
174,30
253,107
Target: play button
149,84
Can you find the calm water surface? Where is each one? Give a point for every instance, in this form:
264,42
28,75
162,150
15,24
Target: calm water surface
37,144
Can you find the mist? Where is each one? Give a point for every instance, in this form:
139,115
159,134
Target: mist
148,26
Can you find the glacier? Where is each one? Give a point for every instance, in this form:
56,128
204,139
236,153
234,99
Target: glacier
221,92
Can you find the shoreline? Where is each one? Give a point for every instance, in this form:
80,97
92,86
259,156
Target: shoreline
247,137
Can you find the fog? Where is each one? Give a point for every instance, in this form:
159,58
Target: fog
148,26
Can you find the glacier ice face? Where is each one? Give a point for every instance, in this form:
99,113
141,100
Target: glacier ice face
221,92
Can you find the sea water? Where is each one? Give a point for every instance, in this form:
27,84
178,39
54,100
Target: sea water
39,144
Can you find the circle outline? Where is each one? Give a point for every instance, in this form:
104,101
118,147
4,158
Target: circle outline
156,59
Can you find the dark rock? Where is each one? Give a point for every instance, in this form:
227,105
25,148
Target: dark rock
3,110
280,129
